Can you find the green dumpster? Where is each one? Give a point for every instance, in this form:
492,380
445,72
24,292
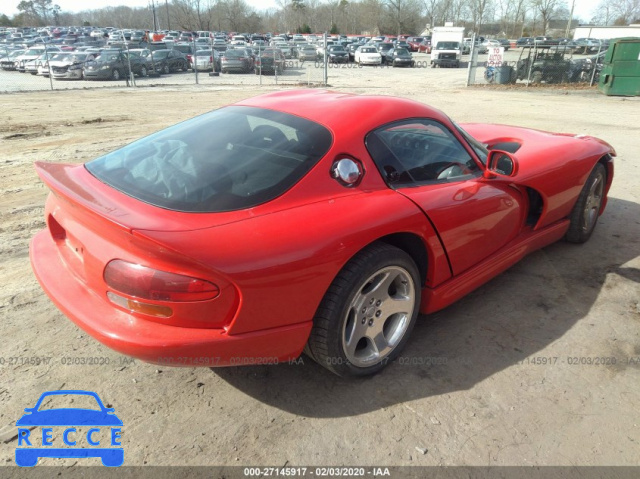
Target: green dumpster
620,73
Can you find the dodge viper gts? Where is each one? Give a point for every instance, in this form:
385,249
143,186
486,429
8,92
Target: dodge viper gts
307,221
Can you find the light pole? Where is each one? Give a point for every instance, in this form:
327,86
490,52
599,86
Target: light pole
566,33
166,4
155,18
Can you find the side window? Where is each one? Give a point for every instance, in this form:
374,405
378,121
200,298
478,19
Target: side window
419,151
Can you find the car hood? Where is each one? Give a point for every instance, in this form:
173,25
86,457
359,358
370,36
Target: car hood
69,417
538,150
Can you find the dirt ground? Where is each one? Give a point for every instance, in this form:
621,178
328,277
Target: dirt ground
539,367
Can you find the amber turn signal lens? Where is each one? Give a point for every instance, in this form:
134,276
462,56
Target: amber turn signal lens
138,307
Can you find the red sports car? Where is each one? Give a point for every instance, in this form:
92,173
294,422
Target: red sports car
304,220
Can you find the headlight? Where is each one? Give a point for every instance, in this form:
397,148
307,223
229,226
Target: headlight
105,67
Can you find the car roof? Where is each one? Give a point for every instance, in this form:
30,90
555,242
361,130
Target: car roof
343,111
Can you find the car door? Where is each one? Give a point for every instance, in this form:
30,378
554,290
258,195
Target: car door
435,168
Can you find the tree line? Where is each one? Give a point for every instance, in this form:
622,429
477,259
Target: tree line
502,17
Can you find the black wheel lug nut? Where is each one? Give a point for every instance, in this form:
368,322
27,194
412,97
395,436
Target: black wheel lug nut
378,303
364,320
371,322
378,313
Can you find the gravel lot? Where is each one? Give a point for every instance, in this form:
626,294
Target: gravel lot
510,375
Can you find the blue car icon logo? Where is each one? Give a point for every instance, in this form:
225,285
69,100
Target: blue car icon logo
102,426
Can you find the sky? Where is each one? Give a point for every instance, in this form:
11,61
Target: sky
583,8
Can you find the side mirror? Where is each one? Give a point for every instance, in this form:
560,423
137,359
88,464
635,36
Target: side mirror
501,164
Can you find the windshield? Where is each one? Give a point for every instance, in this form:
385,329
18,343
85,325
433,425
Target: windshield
447,46
229,159
402,52
480,149
160,54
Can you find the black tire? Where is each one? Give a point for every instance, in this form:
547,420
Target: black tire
165,69
115,74
584,215
341,324
143,71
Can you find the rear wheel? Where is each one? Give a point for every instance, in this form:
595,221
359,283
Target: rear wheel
143,71
115,74
586,211
367,314
165,69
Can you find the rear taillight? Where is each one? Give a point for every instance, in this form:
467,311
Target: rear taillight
147,283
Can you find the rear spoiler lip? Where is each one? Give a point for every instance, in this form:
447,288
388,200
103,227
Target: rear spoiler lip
59,177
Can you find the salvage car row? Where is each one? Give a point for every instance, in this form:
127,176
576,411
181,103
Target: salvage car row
114,63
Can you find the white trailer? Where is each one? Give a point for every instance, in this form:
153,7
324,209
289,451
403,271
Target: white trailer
606,33
446,46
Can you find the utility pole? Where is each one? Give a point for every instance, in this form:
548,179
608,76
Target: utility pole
166,3
155,18
566,33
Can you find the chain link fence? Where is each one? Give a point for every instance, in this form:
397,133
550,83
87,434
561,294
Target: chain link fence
535,64
45,66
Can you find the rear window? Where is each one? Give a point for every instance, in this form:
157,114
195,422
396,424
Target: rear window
235,54
229,159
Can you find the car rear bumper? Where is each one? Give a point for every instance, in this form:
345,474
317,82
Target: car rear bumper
151,341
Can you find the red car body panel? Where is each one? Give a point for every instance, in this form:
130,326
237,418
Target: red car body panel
274,262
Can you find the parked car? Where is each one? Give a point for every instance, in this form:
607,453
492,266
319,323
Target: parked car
39,64
219,207
28,55
168,61
424,46
236,59
113,65
367,55
286,49
384,47
400,57
69,66
186,49
524,42
414,43
219,45
9,62
587,45
490,43
208,60
337,54
307,53
505,43
271,60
